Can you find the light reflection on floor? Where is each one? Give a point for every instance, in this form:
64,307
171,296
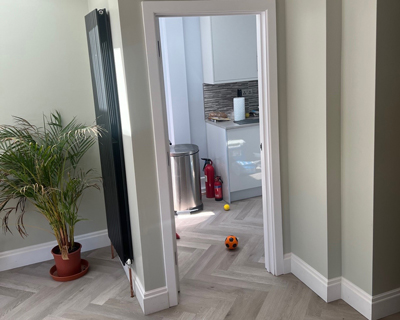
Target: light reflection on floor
200,214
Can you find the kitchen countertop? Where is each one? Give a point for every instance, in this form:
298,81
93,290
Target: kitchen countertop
228,125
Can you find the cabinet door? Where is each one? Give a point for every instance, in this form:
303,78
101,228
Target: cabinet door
234,42
244,158
229,48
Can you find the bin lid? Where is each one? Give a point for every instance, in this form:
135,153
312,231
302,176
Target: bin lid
181,150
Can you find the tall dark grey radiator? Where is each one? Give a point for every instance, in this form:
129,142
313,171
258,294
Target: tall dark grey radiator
110,143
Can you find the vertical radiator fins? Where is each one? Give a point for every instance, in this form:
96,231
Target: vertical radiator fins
110,143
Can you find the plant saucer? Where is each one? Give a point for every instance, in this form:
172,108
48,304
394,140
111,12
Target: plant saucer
84,270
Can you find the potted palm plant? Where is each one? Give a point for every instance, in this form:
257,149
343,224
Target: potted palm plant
39,165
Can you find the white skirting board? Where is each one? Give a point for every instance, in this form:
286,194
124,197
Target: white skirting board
385,304
287,260
150,301
357,298
41,252
328,290
371,307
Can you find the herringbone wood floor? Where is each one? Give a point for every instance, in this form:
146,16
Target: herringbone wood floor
215,283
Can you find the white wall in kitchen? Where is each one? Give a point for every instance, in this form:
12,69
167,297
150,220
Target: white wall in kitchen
174,66
183,78
194,75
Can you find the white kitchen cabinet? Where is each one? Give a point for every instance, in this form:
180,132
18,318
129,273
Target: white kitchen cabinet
235,152
229,48
243,147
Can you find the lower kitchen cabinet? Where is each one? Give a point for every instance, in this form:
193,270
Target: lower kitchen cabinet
235,152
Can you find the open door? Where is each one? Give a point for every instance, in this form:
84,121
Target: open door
106,105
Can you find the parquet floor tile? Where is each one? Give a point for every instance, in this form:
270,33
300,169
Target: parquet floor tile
216,284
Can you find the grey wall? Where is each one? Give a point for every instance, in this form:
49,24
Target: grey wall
97,4
333,134
386,264
283,126
307,131
44,66
358,121
312,83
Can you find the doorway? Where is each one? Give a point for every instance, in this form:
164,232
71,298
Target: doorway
269,137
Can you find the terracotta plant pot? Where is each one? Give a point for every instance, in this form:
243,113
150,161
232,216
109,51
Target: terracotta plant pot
69,267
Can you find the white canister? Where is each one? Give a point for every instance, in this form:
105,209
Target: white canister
239,110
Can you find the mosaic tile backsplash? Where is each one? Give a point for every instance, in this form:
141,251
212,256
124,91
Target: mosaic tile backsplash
219,97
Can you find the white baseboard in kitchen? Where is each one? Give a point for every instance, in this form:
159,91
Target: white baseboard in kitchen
371,307
41,252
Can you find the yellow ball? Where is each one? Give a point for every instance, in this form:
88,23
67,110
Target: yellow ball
227,207
247,115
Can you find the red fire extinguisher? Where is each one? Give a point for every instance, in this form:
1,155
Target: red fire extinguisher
218,188
209,174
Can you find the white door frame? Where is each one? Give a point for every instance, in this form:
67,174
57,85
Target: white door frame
269,131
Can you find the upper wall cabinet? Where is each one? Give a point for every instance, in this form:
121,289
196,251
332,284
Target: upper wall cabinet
229,48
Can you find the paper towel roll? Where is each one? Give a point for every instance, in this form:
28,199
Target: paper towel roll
238,109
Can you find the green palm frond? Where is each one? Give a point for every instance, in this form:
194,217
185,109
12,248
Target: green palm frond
40,165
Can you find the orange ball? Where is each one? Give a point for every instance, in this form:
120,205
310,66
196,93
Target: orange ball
231,242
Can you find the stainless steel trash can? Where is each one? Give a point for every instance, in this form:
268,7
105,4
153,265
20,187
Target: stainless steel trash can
185,169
